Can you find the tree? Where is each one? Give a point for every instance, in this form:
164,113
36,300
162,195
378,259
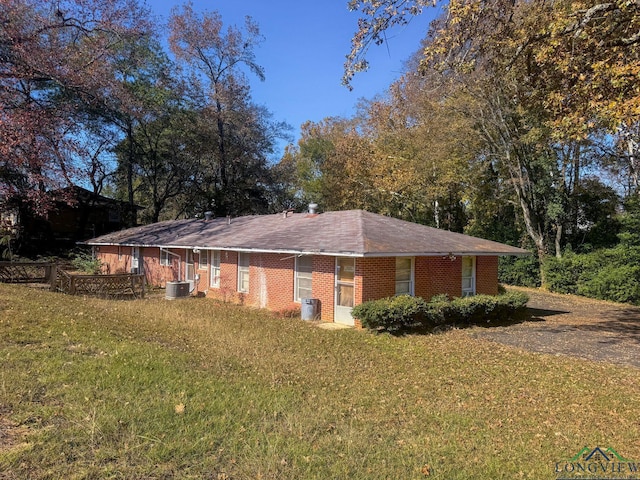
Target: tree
162,165
243,133
56,59
378,17
579,59
494,59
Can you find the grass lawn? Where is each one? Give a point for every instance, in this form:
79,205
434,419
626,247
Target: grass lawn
95,389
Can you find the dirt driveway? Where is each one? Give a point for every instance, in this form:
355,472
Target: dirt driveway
575,326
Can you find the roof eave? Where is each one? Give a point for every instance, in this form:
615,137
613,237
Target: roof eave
320,252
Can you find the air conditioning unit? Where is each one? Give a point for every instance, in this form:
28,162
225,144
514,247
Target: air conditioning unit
175,290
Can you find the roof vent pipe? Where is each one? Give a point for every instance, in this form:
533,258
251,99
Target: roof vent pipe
208,216
313,207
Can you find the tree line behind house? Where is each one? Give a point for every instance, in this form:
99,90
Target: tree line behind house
514,121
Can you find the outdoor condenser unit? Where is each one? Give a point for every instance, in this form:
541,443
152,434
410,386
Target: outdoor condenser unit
175,290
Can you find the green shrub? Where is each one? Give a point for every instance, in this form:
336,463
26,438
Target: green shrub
86,263
522,271
512,305
392,314
561,274
608,274
405,313
613,282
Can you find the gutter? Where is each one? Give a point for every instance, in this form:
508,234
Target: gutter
522,253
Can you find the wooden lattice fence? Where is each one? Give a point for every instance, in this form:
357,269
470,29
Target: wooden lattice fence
27,272
107,286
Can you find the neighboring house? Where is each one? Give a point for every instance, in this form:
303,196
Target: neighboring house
339,258
77,214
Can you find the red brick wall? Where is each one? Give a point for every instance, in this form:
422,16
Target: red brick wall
435,275
201,265
323,279
228,290
271,281
272,276
378,278
108,255
155,273
487,275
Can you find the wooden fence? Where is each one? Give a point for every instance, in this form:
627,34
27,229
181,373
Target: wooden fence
107,286
27,272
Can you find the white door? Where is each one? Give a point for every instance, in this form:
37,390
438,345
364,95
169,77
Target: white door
345,290
468,276
136,261
190,271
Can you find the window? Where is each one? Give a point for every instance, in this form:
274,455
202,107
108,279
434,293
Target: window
165,261
202,260
404,276
114,216
468,276
214,268
345,281
243,272
304,273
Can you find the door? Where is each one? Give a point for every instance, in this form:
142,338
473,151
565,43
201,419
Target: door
190,271
136,261
345,290
468,276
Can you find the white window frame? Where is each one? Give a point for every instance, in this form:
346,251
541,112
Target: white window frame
214,268
307,275
203,262
411,277
470,291
243,270
165,260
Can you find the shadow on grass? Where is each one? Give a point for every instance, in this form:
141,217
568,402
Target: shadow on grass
539,314
623,323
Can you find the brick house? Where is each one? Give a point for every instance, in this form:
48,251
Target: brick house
274,261
76,214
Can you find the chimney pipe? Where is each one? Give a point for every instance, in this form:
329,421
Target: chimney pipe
313,207
208,216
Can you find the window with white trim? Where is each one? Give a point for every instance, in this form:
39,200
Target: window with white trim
243,272
404,276
304,274
202,260
468,276
214,268
165,261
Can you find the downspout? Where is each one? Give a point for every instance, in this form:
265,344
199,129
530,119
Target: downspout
174,255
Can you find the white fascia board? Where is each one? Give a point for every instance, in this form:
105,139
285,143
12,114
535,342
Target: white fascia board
320,252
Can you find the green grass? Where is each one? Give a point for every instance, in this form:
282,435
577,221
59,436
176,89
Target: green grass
95,389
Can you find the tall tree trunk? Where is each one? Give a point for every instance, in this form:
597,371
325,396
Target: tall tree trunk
131,220
534,230
557,241
223,207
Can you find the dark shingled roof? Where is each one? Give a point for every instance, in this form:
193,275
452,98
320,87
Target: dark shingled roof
348,233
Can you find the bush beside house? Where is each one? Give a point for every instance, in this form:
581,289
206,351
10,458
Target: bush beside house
608,274
405,313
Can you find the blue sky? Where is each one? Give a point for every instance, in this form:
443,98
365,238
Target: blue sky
303,54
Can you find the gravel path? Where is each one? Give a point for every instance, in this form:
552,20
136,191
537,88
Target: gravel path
574,326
